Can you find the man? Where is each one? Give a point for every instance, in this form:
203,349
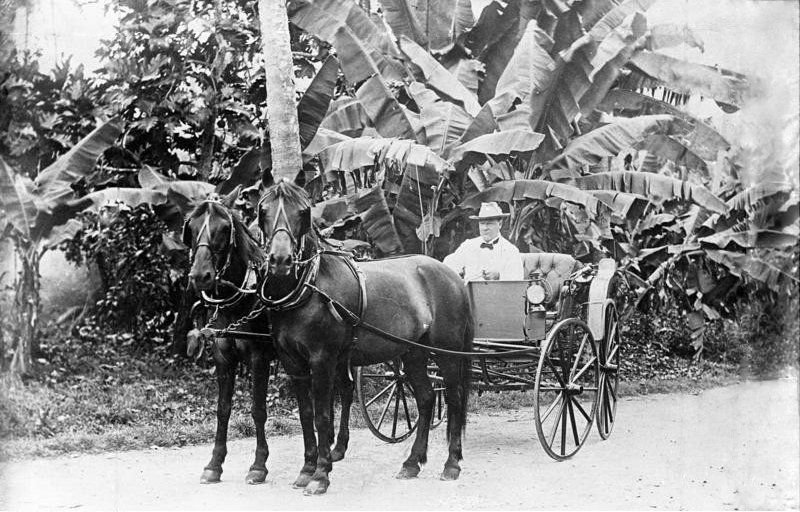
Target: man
488,257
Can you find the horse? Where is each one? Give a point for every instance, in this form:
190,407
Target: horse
312,295
225,251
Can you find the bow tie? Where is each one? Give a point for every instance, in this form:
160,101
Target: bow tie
488,245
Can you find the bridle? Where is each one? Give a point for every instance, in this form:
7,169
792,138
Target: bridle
205,229
285,226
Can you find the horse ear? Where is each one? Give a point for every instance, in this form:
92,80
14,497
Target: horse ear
229,200
186,234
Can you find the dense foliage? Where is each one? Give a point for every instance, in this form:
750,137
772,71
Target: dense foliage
566,113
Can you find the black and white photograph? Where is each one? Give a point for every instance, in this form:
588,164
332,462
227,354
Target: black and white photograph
399,255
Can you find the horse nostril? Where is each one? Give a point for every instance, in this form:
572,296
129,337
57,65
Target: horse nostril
272,259
207,276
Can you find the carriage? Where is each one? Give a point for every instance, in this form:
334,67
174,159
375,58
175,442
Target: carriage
555,333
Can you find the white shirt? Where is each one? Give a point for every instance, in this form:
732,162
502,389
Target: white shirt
473,259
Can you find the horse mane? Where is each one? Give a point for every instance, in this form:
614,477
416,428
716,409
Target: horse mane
292,194
249,248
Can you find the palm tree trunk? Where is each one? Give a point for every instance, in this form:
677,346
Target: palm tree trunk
284,129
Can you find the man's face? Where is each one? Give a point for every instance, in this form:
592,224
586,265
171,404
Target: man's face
489,229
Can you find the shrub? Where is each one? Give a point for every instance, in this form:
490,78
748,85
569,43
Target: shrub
142,287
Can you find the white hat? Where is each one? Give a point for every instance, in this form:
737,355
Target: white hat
489,211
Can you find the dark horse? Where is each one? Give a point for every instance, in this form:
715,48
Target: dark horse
224,250
416,298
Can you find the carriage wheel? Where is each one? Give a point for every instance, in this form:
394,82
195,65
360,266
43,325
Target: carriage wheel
609,374
387,400
566,389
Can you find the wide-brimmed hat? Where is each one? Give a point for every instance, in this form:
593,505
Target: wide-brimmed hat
489,211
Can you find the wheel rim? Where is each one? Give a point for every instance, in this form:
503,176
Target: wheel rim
387,401
609,374
566,389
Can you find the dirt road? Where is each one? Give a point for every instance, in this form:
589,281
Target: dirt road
727,448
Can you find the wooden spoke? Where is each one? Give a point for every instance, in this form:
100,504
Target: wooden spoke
405,409
572,421
564,413
388,403
555,425
591,361
578,355
582,411
381,392
549,411
555,371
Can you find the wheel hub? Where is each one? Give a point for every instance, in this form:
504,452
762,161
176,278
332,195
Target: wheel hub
573,389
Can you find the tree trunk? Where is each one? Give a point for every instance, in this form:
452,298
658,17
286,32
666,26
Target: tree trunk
284,129
27,306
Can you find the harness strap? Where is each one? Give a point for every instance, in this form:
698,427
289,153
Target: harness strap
357,322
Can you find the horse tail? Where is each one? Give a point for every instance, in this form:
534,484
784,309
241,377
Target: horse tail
465,366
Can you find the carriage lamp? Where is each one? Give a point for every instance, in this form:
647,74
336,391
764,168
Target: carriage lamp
538,291
536,294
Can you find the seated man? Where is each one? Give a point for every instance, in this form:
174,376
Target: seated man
490,256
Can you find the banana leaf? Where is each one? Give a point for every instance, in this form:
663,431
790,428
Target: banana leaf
750,239
667,35
502,143
518,190
363,48
702,139
346,116
528,70
746,265
609,140
752,197
401,16
652,186
439,78
80,161
666,147
313,106
444,124
18,205
728,88
364,151
604,26
377,221
383,109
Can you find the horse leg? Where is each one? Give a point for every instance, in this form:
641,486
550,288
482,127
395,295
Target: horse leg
226,378
345,386
301,384
455,379
259,364
323,376
416,369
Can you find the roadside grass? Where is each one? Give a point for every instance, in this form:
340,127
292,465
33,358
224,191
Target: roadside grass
92,415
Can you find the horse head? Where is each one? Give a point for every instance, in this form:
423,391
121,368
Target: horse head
214,235
284,216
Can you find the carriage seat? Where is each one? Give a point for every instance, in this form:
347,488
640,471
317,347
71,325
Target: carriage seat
555,267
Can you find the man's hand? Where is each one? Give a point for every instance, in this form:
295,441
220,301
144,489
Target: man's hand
490,276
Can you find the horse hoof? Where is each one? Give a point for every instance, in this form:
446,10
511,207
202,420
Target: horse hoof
408,473
450,473
317,487
302,480
256,476
210,476
337,455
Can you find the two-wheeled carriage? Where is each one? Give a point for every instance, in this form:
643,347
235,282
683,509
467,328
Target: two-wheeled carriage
555,333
